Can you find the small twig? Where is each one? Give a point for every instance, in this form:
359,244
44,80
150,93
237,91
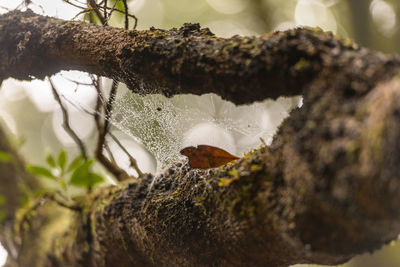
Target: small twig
5,8
109,152
99,103
126,15
105,10
109,105
66,125
75,81
79,107
74,5
62,203
123,12
87,10
112,9
102,129
26,3
132,160
93,5
96,114
263,141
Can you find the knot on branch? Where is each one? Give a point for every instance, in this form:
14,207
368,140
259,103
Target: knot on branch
189,29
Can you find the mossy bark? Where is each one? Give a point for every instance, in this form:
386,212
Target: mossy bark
325,190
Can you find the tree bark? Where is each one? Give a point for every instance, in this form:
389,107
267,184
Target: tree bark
15,183
325,190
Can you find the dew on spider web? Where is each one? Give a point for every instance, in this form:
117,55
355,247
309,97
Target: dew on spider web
154,121
166,125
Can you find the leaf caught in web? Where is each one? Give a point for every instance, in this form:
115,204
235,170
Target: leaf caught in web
204,156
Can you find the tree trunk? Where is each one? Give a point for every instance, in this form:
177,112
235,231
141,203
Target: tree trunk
326,190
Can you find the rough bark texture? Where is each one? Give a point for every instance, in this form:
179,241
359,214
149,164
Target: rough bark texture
325,190
188,60
14,182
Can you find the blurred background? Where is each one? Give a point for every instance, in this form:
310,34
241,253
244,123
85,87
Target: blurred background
34,119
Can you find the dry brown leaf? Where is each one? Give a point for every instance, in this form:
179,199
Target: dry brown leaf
204,156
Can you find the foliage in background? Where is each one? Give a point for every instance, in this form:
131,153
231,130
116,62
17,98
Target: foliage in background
77,173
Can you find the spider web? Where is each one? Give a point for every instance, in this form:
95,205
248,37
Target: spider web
166,125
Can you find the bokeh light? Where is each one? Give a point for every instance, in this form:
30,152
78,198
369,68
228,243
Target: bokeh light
384,17
3,255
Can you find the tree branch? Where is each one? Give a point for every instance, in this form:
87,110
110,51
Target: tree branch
66,124
188,60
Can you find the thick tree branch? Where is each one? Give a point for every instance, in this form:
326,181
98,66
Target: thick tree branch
309,198
188,60
325,190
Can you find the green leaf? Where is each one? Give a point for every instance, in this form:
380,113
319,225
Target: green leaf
38,170
95,179
80,177
51,161
75,163
5,156
120,6
62,160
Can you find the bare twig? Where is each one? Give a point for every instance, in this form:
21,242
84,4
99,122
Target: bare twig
132,160
96,8
105,10
109,152
102,128
74,5
62,203
66,124
109,105
27,3
126,15
111,11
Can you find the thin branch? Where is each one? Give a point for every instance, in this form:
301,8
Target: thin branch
74,5
96,115
129,15
105,10
132,160
102,129
66,125
95,8
109,152
109,105
126,15
112,10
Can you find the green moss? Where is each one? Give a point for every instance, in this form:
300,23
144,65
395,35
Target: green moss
226,181
234,173
255,168
301,64
347,43
315,29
